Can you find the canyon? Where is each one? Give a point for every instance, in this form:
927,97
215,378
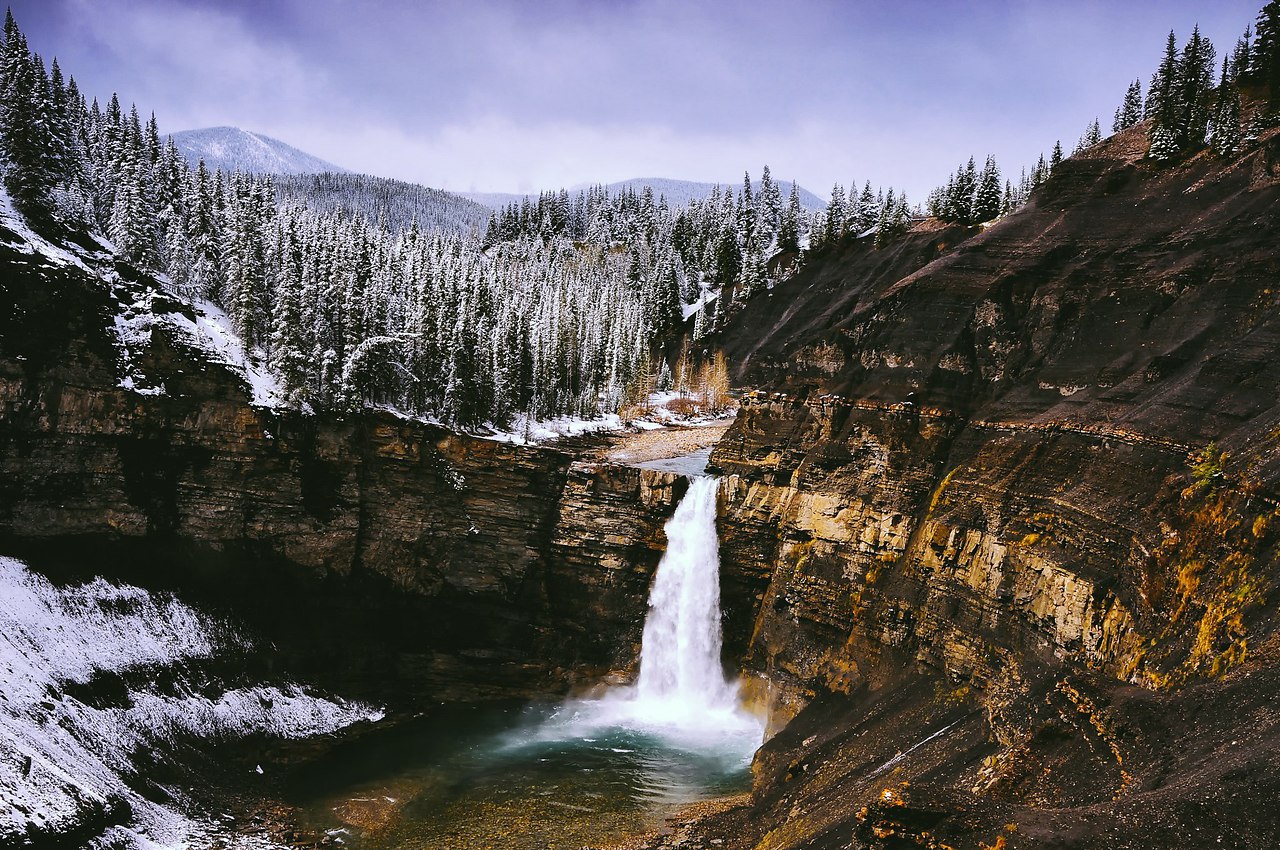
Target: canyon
997,515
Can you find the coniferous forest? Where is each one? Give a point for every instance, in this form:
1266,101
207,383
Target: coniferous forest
560,305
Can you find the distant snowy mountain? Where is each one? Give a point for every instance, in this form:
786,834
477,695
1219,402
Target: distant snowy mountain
495,200
230,148
677,192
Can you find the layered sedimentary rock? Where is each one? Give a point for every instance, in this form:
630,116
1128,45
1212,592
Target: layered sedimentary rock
1001,565
383,556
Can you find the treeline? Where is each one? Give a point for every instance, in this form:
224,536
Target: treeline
398,205
356,295
1188,112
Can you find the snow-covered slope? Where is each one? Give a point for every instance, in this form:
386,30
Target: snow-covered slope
379,199
230,148
141,307
67,750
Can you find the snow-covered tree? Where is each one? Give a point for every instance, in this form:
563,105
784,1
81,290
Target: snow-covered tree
1129,112
1164,146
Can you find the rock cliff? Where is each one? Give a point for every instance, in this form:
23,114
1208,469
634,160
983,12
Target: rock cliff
1009,499
999,522
384,557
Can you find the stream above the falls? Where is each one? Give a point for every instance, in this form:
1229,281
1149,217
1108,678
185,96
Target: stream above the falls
588,771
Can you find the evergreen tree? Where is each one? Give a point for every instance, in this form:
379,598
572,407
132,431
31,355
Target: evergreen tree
789,224
1164,146
986,197
28,145
1191,91
1225,121
1092,135
770,204
1264,59
835,216
866,208
748,216
1129,112
1161,105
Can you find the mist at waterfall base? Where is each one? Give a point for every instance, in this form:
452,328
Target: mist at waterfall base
586,772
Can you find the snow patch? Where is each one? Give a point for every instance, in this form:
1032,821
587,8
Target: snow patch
525,431
30,241
211,333
62,760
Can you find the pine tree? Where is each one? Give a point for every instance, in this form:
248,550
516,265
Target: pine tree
1264,59
789,224
1055,159
1161,106
1129,112
1164,146
1225,122
748,216
866,208
1191,91
986,196
770,203
28,144
835,216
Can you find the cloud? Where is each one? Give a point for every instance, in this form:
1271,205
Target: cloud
197,66
512,95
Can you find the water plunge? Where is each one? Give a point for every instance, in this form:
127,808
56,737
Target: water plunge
680,652
589,771
681,696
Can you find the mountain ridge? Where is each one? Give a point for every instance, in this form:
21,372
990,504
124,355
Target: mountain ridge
232,148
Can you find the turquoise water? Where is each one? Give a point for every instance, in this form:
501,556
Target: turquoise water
588,772
489,777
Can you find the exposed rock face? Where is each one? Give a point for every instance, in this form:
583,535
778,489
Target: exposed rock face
384,557
991,583
974,493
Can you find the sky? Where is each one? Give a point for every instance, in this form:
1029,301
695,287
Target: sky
524,95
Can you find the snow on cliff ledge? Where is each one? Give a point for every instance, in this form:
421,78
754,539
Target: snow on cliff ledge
141,309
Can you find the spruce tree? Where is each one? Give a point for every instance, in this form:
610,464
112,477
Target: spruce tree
1264,59
789,225
770,203
1225,121
28,145
1164,147
1129,112
1191,91
1161,105
986,197
835,216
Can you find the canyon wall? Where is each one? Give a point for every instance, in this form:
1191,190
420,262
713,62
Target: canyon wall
384,557
1009,499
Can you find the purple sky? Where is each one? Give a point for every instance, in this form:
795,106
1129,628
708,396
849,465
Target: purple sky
522,95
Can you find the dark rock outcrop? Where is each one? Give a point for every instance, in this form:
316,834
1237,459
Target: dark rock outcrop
977,497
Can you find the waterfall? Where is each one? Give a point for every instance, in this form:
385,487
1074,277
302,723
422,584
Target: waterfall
680,652
681,697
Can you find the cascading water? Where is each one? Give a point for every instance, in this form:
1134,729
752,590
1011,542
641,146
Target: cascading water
680,671
681,696
593,771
